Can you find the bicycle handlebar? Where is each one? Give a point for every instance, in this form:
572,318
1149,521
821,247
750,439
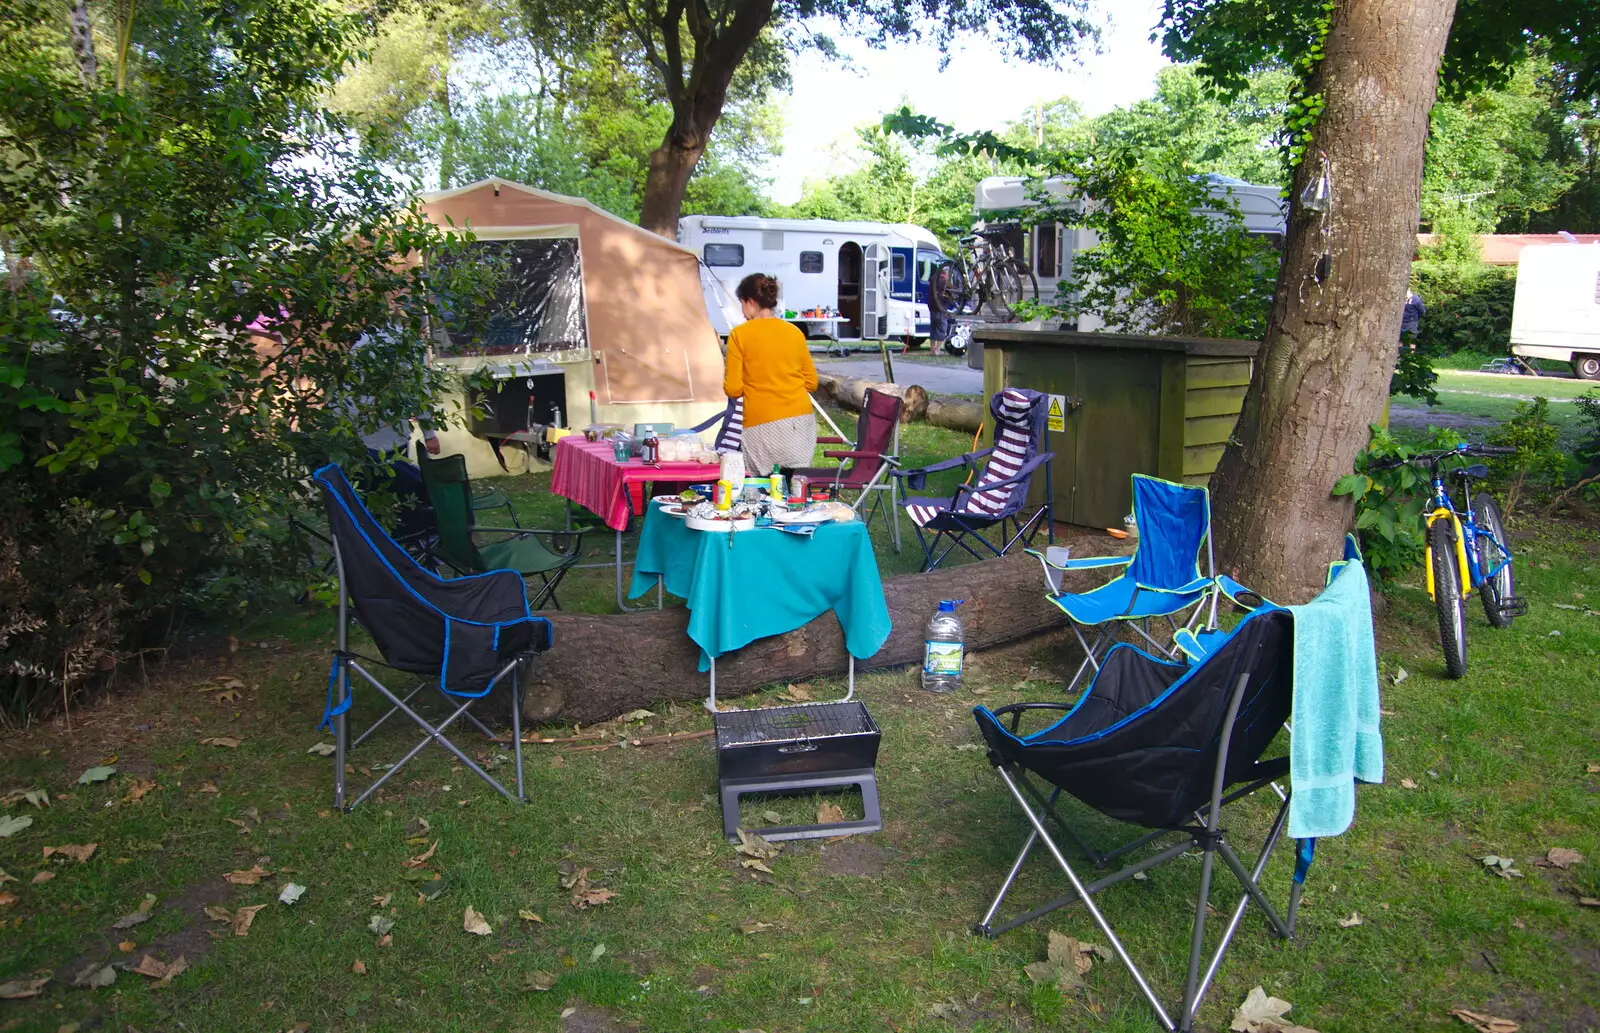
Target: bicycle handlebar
1436,455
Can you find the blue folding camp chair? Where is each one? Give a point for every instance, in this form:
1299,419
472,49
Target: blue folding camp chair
1000,498
1162,578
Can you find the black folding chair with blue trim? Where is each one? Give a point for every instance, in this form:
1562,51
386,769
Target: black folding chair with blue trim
464,636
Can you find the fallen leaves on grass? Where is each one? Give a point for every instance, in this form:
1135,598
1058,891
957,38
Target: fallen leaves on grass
1589,901
1592,768
1262,1014
1501,866
241,825
584,894
1066,962
474,923
127,946
797,693
247,876
598,952
417,830
291,892
239,920
358,967
529,916
1485,1023
385,940
225,741
20,988
1561,857
752,844
829,813
160,971
98,774
95,976
751,926
756,864
1406,783
138,916
380,924
10,826
210,788
1400,675
1355,919
138,789
633,716
6,877
7,898
422,858
80,852
42,877
381,899
541,981
38,797
321,749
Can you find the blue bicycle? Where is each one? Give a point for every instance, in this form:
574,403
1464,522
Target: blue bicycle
1467,550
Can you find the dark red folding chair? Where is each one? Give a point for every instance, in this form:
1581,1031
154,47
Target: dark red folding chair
865,467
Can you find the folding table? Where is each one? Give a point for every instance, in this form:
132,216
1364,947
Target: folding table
588,473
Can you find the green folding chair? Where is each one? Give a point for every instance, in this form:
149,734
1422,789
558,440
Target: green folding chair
470,549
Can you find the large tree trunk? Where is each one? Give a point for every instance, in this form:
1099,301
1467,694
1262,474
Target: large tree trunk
671,165
1331,346
851,393
607,665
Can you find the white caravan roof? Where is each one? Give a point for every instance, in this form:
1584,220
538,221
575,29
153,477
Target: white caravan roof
854,229
1003,192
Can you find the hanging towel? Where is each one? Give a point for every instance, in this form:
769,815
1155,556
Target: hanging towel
1336,741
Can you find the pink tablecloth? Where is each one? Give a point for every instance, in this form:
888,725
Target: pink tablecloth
587,473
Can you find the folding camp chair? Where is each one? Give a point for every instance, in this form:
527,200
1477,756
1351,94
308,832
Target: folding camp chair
730,427
1162,578
866,467
462,636
520,549
1165,746
1000,497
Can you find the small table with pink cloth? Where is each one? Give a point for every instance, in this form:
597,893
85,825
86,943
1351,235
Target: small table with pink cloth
588,473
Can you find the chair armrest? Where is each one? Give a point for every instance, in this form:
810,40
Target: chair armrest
831,441
554,536
1089,562
855,455
1021,475
1016,710
948,464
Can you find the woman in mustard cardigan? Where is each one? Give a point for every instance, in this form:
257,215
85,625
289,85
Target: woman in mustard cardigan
769,365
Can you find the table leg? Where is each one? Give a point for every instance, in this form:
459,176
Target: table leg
711,700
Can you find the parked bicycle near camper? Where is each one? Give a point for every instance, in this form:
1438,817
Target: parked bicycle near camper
987,275
1467,550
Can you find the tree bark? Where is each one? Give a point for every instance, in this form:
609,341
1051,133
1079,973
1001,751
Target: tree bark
851,393
605,665
956,414
671,165
1331,345
83,42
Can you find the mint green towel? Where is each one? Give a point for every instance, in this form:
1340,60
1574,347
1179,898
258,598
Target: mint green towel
1336,741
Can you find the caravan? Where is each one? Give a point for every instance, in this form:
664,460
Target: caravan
1049,248
848,281
1557,311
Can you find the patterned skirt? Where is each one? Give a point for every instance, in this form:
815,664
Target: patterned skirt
788,442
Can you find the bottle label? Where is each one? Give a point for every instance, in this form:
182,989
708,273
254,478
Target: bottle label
942,657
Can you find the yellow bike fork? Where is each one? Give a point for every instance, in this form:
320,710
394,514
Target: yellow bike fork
1465,577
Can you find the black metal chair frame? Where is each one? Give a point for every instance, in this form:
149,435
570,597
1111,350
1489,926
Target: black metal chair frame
1020,530
1206,833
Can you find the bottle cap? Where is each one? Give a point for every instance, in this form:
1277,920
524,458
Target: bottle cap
949,605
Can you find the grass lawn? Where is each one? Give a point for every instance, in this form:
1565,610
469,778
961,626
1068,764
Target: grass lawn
1475,403
869,933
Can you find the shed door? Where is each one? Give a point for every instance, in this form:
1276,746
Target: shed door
875,292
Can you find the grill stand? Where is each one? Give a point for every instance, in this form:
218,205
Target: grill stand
733,788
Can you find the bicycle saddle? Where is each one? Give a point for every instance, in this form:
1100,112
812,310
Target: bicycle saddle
1475,472
1003,229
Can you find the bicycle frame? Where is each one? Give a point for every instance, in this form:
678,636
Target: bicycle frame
1467,533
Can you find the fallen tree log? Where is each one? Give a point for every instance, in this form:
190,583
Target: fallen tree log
850,393
956,414
604,665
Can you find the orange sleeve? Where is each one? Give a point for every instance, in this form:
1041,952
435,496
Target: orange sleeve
808,368
733,367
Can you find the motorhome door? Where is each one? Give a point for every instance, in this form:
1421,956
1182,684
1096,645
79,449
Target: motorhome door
874,292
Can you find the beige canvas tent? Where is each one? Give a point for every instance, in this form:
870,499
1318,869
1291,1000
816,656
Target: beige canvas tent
592,303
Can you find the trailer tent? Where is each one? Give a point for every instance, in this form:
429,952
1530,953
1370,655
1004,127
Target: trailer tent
584,301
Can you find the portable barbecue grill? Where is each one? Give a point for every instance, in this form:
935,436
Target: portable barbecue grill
798,749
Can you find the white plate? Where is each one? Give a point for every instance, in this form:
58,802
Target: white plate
667,500
720,526
799,516
675,510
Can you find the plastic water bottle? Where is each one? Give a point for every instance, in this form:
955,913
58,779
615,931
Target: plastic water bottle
944,649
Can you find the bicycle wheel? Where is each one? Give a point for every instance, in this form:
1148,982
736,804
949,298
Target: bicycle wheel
1493,551
954,294
1005,290
1025,277
1447,597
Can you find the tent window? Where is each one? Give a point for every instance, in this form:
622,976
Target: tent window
505,297
731,255
811,261
772,240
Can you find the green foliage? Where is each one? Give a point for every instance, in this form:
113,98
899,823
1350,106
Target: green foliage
152,448
1538,461
1391,502
1469,306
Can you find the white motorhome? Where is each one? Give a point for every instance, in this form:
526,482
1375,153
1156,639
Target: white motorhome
1050,248
872,277
1557,311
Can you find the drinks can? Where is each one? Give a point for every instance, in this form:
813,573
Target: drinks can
799,484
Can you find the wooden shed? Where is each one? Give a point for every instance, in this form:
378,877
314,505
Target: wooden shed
1131,404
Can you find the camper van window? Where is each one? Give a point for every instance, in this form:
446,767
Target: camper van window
1273,240
724,255
1045,248
897,271
811,261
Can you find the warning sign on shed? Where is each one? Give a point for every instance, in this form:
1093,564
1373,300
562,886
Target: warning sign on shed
1057,416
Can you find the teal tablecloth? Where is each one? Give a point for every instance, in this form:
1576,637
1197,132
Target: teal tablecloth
767,583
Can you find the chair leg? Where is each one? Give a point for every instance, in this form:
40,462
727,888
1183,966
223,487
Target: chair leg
984,927
1089,654
516,727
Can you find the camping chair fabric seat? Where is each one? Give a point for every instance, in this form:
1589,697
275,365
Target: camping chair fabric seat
866,466
1000,496
462,635
1141,744
525,555
1122,599
730,427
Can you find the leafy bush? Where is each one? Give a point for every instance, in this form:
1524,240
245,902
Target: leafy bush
1469,307
1390,503
1538,460
152,448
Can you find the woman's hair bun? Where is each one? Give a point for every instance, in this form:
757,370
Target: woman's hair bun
759,288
